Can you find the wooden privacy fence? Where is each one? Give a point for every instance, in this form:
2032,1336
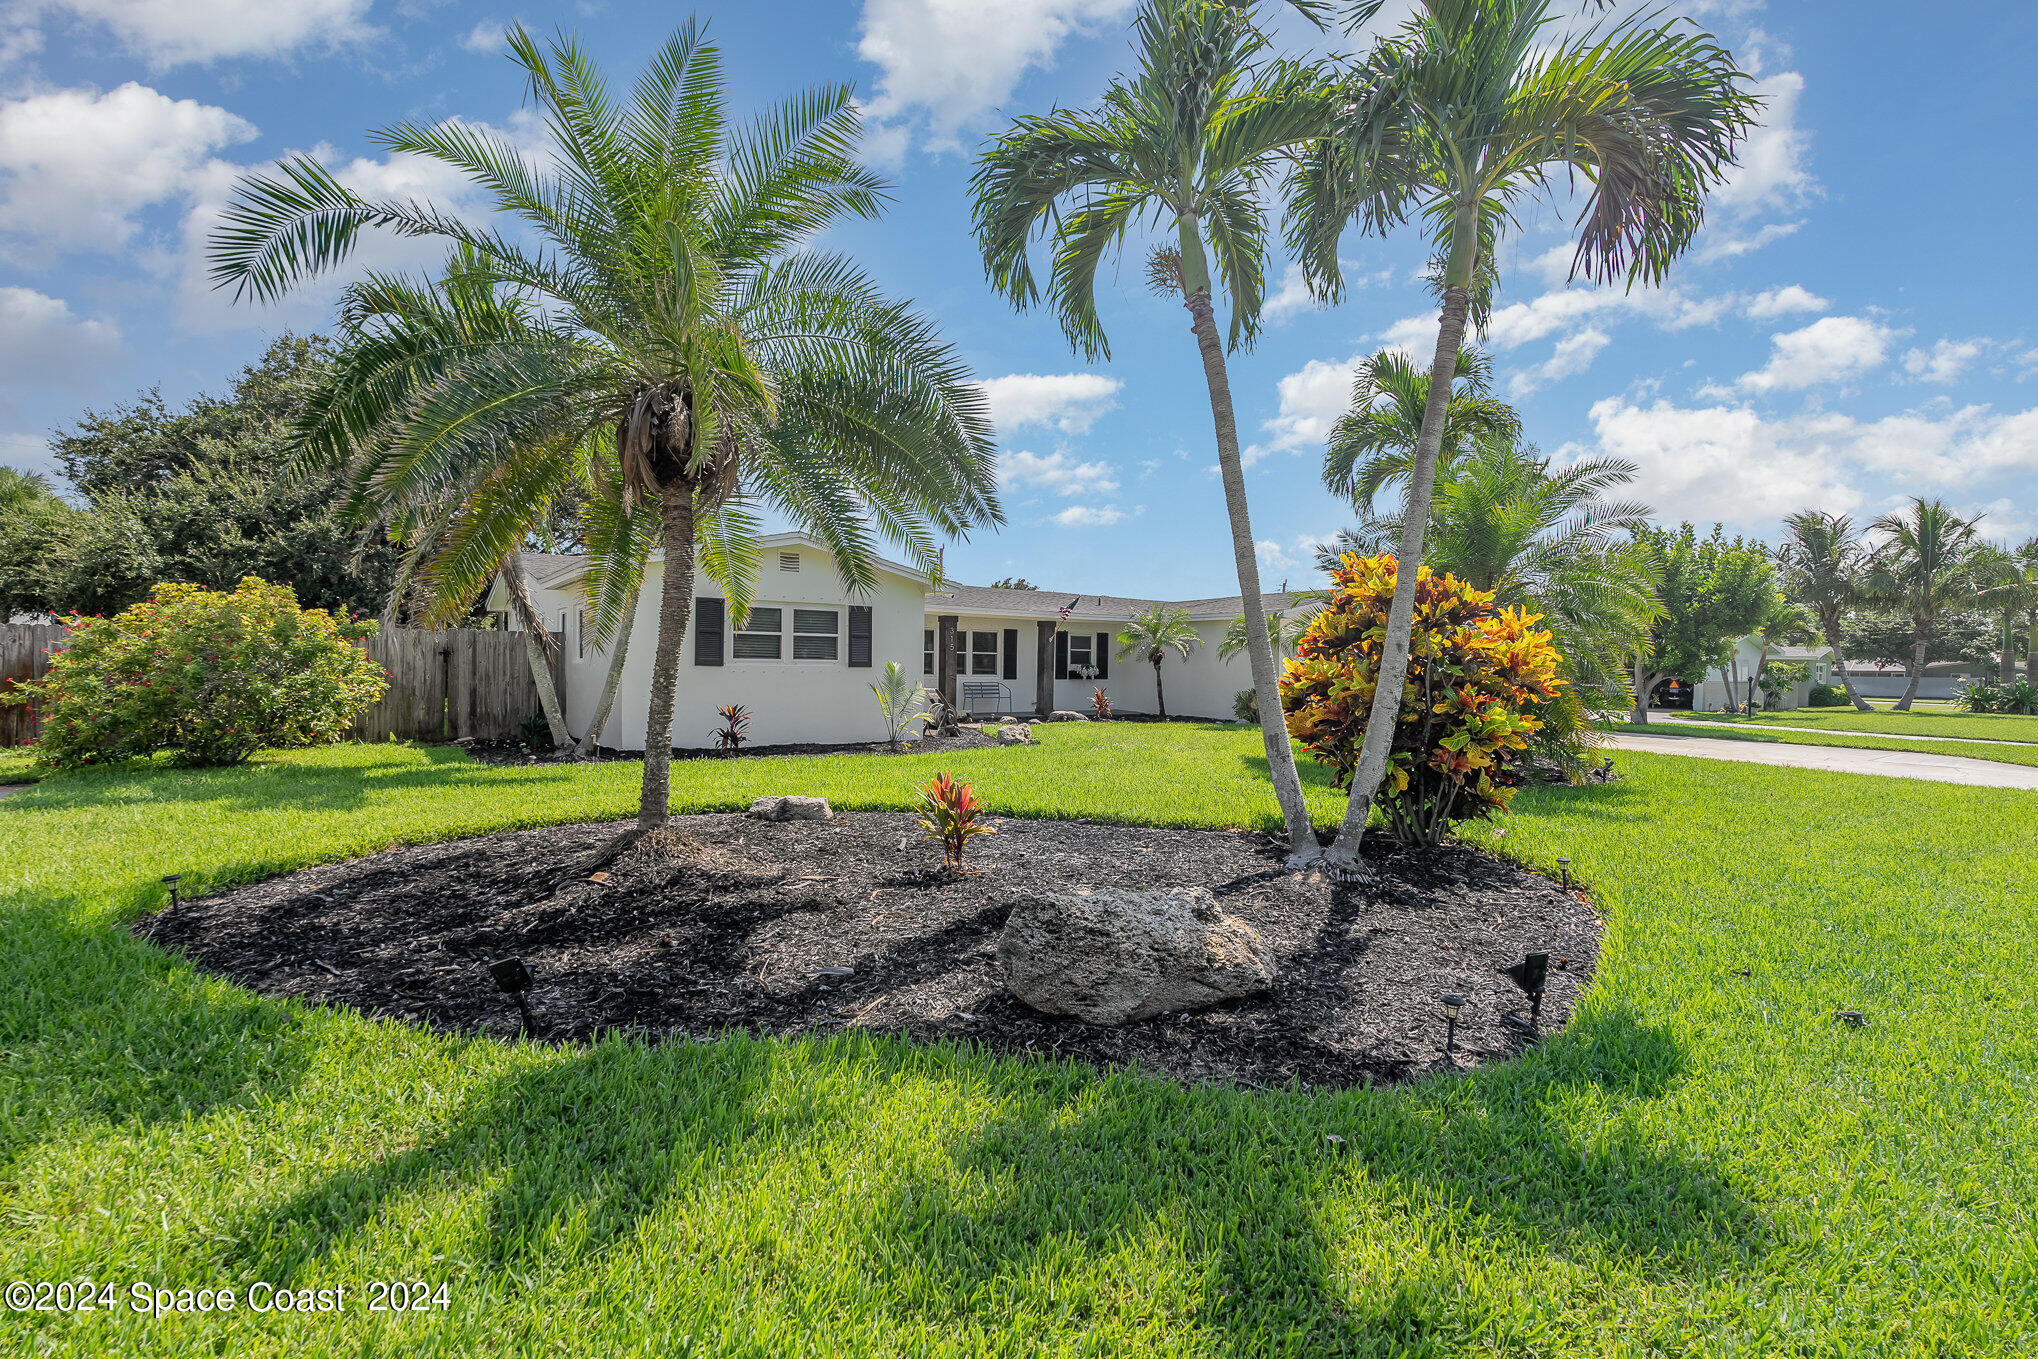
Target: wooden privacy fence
456,684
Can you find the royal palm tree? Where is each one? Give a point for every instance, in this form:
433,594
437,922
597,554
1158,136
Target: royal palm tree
676,316
1182,147
1468,110
1922,568
2007,581
1823,566
1372,445
1150,635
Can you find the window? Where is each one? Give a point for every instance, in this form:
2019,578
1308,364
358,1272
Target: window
927,651
761,638
817,634
1079,651
983,653
580,634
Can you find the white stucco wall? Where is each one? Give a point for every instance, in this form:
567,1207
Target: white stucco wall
1200,686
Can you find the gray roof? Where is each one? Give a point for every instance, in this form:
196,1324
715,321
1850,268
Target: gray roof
953,598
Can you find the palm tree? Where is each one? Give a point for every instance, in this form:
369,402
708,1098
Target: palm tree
1470,108
1823,564
21,491
1182,147
1151,634
675,316
2007,580
1922,568
1285,628
1780,621
1373,444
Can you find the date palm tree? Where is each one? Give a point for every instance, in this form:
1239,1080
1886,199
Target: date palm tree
1470,109
1923,568
1823,565
1150,635
1372,446
1182,147
677,316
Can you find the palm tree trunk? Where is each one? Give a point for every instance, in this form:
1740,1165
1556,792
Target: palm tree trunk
2031,648
1645,684
1920,639
2006,664
1259,649
592,740
1831,627
538,646
1385,713
675,606
1160,694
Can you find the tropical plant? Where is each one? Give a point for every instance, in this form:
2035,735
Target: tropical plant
1372,446
1182,147
735,728
951,814
210,676
898,695
1781,621
2007,582
1470,108
1779,678
1284,628
1823,562
1465,713
1150,635
1245,706
2017,696
1100,704
1922,567
1713,591
673,318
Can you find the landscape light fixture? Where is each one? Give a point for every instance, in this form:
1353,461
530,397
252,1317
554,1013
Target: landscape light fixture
170,880
514,978
1452,1005
1530,974
1564,867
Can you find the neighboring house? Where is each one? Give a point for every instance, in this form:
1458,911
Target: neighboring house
1712,694
1942,679
803,662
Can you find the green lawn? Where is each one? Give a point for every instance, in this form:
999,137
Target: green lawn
1704,1163
1944,722
2001,752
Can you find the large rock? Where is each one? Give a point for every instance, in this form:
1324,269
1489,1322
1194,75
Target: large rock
791,809
1065,715
1113,956
1017,734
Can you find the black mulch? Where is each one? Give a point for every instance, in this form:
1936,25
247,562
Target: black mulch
516,752
814,927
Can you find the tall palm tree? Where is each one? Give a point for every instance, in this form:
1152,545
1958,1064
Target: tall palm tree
1372,445
1182,147
1922,568
1780,621
676,315
2007,581
1469,109
1150,635
1823,566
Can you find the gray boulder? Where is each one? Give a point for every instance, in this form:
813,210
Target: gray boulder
1017,734
1113,956
792,809
1064,715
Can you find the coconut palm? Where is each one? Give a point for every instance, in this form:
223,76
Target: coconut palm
1372,445
2007,581
1181,147
676,318
1285,628
1469,109
1923,568
1823,566
1150,635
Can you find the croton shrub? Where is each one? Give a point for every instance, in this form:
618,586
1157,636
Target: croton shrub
210,676
1476,675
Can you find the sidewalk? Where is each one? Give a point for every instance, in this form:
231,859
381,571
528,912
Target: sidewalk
1901,764
1700,724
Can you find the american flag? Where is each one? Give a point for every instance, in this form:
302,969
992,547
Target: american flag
1070,605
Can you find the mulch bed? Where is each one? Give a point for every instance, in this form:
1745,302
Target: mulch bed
516,752
815,927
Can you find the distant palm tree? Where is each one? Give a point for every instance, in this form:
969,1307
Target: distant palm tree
1470,108
24,490
1184,147
676,316
1372,446
1923,567
1284,629
2008,583
1150,635
1780,622
1823,569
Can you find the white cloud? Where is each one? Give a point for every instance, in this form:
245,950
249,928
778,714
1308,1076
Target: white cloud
1573,354
1770,170
1085,516
43,342
1827,350
76,167
1729,245
1059,473
1295,557
168,33
1311,400
1767,306
945,64
1945,361
486,38
1069,402
1290,299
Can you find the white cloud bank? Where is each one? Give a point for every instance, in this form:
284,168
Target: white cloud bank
166,33
1069,402
1058,473
1831,349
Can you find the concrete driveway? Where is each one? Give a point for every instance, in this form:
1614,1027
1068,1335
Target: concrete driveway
1900,764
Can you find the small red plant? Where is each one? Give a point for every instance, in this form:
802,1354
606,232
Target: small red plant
951,813
731,734
1100,704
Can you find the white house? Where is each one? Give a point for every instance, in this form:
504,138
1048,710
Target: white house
803,661
1713,694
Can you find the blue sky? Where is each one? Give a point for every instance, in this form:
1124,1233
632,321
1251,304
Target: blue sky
1853,326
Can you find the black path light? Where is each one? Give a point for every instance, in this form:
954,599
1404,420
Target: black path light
1452,1006
170,880
1564,867
514,978
1531,974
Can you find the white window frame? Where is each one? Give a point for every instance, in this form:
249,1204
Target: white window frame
974,654
786,634
1089,660
927,651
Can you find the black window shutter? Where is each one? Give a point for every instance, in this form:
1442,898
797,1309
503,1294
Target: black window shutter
1103,655
1011,653
1061,655
707,631
859,636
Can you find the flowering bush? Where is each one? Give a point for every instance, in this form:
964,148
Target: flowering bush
951,814
213,676
1475,673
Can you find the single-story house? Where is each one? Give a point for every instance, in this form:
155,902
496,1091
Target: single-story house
1713,693
803,661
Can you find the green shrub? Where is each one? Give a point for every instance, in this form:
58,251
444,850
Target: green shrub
212,676
1827,696
1986,696
1245,706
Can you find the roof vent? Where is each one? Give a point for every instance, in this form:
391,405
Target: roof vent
788,561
